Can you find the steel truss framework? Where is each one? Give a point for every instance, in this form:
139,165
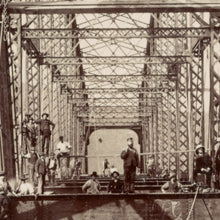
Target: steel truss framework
126,33
152,74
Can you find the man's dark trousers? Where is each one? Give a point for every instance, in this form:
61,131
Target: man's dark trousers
129,175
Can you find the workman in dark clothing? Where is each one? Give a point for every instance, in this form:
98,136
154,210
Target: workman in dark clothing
45,131
5,190
115,185
217,167
131,161
203,164
51,168
32,159
173,185
32,132
40,169
25,134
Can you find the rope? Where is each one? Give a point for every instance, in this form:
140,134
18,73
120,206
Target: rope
194,200
207,209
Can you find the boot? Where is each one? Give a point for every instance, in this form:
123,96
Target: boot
53,179
126,187
131,188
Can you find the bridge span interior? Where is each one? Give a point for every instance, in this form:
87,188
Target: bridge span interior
153,72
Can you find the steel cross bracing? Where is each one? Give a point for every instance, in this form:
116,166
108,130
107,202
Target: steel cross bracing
70,91
111,78
102,101
126,33
113,60
172,114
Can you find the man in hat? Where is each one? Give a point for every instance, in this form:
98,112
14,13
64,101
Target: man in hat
203,165
63,156
25,133
5,189
92,186
173,185
24,187
151,166
51,168
106,168
77,168
131,161
115,185
217,167
32,132
40,169
32,159
45,131
63,149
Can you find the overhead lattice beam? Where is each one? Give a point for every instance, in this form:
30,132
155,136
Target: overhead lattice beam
85,6
69,91
113,60
111,78
108,33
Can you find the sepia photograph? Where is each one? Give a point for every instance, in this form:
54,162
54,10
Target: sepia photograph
109,109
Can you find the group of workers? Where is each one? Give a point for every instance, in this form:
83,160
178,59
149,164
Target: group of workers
30,132
202,175
41,165
203,162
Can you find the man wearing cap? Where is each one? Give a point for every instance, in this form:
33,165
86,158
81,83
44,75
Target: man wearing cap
217,167
25,133
173,185
32,132
131,161
203,164
51,167
24,187
32,159
40,168
45,130
5,189
63,156
115,185
92,186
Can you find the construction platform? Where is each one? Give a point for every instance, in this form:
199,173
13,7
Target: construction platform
116,206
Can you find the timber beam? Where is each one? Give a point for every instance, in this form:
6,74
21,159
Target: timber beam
107,6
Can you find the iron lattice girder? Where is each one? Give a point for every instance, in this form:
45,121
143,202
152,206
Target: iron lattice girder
100,109
112,33
113,111
163,79
113,123
111,119
113,60
106,115
94,6
70,91
106,101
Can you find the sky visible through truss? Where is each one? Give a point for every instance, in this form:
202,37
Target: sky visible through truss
113,47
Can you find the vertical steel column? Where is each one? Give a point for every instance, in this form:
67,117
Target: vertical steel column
7,162
14,52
